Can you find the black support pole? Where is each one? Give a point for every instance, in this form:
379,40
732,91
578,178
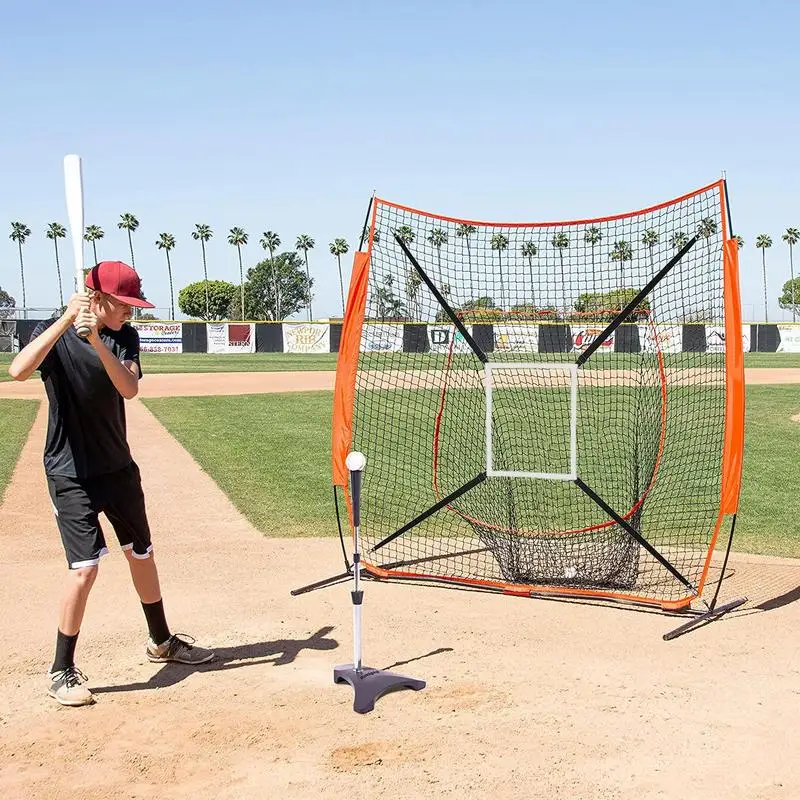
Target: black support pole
625,313
634,533
479,478
443,303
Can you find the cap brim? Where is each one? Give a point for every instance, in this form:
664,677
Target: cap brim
133,301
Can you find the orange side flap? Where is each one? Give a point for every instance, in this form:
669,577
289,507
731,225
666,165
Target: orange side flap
346,366
734,384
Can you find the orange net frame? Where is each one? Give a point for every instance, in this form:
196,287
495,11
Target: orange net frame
536,402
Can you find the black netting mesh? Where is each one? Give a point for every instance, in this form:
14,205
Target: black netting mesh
648,416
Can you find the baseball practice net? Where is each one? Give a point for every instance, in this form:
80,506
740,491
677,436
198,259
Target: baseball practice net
536,402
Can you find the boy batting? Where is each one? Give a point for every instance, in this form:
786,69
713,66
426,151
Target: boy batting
88,462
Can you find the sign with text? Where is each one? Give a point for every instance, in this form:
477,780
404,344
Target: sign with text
382,338
231,337
661,338
516,338
443,338
159,337
306,337
584,335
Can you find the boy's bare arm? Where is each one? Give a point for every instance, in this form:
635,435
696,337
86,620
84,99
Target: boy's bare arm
27,361
124,374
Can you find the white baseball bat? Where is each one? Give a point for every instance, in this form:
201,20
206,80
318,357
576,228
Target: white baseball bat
73,184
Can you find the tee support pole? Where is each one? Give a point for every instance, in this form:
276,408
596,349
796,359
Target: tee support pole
368,683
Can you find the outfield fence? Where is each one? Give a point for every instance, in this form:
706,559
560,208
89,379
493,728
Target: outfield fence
408,337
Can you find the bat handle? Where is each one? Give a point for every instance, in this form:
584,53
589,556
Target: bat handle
83,331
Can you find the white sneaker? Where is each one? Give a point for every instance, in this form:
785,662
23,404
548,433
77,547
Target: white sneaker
67,687
178,649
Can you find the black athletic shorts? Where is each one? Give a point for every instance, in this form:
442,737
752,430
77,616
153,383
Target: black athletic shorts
77,504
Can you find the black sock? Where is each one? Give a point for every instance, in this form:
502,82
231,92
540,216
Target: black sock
156,621
65,652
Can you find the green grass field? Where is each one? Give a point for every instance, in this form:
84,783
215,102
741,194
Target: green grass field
287,362
16,418
269,453
239,441
5,360
238,362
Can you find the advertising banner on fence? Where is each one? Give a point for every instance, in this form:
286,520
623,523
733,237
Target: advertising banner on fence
516,338
666,338
715,339
442,337
790,338
382,338
160,337
8,336
231,337
306,337
746,338
584,335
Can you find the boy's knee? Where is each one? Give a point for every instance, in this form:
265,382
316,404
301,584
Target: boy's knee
135,558
84,576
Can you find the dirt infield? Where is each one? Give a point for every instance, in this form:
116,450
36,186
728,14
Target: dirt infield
525,698
223,383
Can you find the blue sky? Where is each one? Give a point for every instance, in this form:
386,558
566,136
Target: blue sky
286,116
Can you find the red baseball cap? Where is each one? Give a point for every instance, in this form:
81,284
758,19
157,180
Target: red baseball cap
120,281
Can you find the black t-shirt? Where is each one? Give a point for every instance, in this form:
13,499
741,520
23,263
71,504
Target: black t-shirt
86,434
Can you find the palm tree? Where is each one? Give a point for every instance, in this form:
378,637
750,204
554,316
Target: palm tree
19,234
338,248
791,237
592,237
389,305
202,233
499,242
464,231
650,240
238,237
707,228
529,251
270,241
622,252
739,241
561,243
406,234
93,234
129,223
166,242
305,243
437,237
56,231
413,282
678,240
376,235
763,241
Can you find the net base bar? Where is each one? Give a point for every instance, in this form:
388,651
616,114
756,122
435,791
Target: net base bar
569,594
703,618
391,572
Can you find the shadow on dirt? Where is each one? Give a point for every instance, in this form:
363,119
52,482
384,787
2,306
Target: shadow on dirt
277,653
781,600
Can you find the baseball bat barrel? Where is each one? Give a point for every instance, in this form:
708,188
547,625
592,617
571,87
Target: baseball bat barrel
73,184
